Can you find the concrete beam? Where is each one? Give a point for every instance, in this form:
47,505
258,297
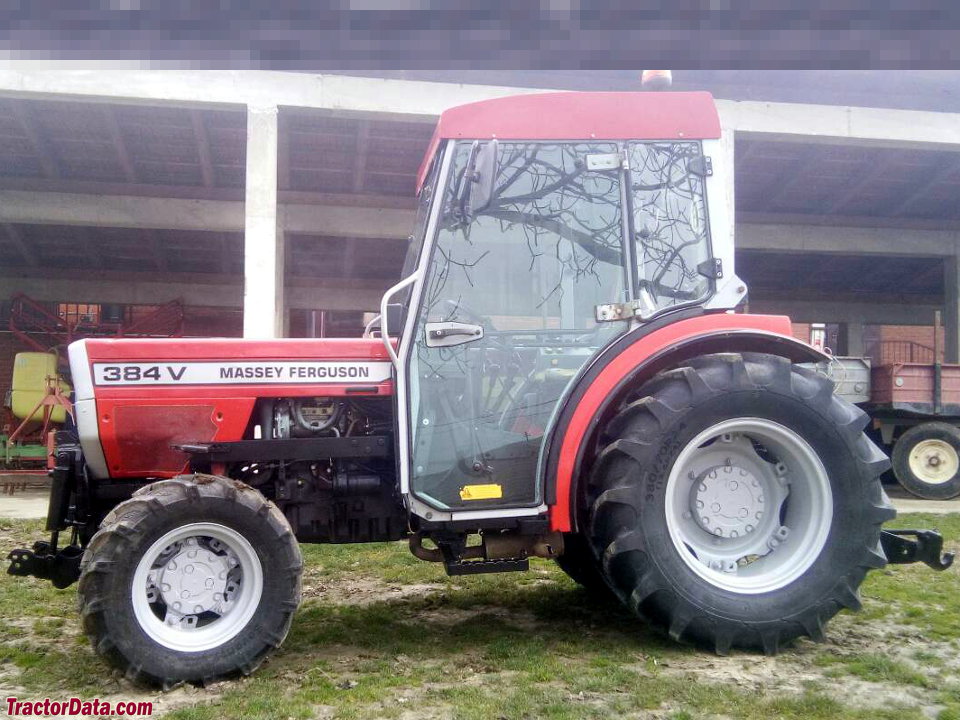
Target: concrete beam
859,313
264,314
409,99
839,123
337,219
202,290
185,214
845,240
194,192
348,221
120,211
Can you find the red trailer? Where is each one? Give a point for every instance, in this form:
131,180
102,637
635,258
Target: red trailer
916,409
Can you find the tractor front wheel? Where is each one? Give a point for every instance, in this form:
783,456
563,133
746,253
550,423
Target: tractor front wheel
190,580
737,502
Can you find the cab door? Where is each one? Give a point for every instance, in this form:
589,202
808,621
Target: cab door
506,317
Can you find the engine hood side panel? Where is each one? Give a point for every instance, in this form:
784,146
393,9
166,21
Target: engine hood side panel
139,398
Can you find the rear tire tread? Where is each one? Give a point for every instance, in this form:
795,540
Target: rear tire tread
636,580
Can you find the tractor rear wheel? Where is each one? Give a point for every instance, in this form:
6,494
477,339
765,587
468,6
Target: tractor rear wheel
190,580
578,563
737,502
926,460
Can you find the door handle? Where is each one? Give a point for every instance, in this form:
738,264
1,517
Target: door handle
448,334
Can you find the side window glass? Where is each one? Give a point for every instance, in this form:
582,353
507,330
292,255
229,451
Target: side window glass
669,222
521,278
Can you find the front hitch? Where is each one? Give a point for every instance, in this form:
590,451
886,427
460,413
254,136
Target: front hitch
926,547
62,567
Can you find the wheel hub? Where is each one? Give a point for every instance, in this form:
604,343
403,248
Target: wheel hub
197,586
748,505
934,461
728,501
194,580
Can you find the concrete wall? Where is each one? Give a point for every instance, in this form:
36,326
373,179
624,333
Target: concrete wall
265,220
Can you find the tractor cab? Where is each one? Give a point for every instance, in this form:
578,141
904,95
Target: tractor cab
548,225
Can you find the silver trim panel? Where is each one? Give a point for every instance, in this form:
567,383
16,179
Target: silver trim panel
85,409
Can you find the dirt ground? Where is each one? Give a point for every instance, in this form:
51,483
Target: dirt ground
381,635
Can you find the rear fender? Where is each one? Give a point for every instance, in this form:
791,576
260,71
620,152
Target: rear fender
631,361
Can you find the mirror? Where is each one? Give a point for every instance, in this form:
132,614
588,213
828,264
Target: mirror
484,175
477,185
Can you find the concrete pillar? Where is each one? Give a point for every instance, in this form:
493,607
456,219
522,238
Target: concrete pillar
264,314
951,309
854,330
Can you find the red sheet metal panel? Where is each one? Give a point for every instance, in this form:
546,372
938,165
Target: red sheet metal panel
152,394
913,383
620,367
580,116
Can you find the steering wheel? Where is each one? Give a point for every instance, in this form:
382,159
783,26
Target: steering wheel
454,310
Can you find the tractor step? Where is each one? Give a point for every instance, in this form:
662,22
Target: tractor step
479,567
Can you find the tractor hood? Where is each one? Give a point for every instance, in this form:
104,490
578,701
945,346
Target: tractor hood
135,399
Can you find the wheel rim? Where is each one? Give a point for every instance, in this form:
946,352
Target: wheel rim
748,505
197,587
934,461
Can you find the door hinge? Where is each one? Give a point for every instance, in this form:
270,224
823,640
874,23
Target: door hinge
702,166
711,268
603,161
610,312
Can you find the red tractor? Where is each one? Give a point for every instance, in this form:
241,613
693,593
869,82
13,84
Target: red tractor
560,373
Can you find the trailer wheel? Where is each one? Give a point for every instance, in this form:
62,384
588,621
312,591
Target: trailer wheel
737,502
926,460
192,579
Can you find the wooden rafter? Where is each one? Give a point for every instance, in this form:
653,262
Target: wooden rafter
363,150
89,244
284,132
226,260
20,242
36,137
119,145
349,258
750,149
798,173
203,148
156,251
870,171
945,168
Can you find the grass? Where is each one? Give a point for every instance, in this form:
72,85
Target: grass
381,634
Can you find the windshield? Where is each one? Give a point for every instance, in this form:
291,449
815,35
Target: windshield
415,241
548,247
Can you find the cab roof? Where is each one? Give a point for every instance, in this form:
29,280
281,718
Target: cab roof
579,116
